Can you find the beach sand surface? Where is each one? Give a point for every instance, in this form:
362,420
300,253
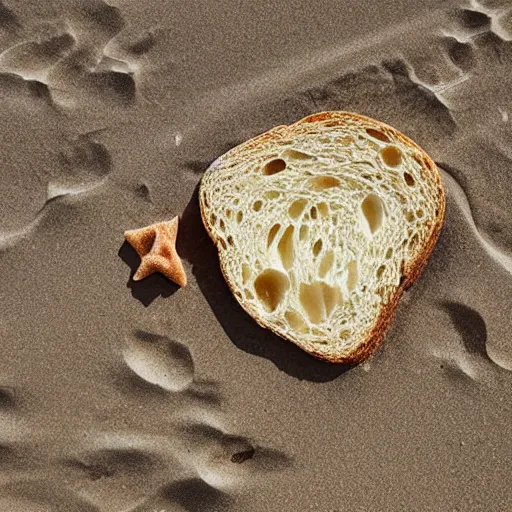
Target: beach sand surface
122,396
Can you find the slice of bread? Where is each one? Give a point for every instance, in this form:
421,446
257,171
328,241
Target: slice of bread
321,225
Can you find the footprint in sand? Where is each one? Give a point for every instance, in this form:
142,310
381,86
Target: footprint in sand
159,360
191,495
470,358
486,336
39,496
224,460
71,65
118,478
387,92
82,75
96,22
83,164
16,90
33,59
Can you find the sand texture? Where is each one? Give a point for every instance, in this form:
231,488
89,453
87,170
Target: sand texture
122,396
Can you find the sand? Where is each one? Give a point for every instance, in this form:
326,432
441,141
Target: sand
122,396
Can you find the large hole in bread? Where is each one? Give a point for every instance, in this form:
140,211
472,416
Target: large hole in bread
373,211
285,247
312,300
326,263
409,179
272,234
297,207
274,166
319,300
293,154
271,194
317,247
270,287
332,297
391,156
257,205
323,209
295,321
376,134
323,182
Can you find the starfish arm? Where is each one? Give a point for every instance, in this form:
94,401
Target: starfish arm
141,240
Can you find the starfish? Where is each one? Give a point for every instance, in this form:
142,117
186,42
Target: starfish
156,246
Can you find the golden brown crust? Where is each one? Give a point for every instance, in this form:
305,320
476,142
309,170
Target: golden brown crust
410,274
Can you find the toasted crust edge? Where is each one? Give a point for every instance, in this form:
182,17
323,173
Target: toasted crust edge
410,274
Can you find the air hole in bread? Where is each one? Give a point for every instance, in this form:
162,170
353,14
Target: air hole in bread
322,182
297,207
293,154
409,216
295,321
272,234
222,225
377,134
239,217
223,243
352,275
313,212
271,194
326,263
257,206
229,213
323,209
271,287
246,273
304,232
332,297
311,300
213,219
402,199
285,247
380,271
318,300
409,179
373,211
317,247
274,166
420,213
391,156
248,294
230,241
389,253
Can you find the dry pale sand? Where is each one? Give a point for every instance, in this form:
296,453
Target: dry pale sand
120,396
